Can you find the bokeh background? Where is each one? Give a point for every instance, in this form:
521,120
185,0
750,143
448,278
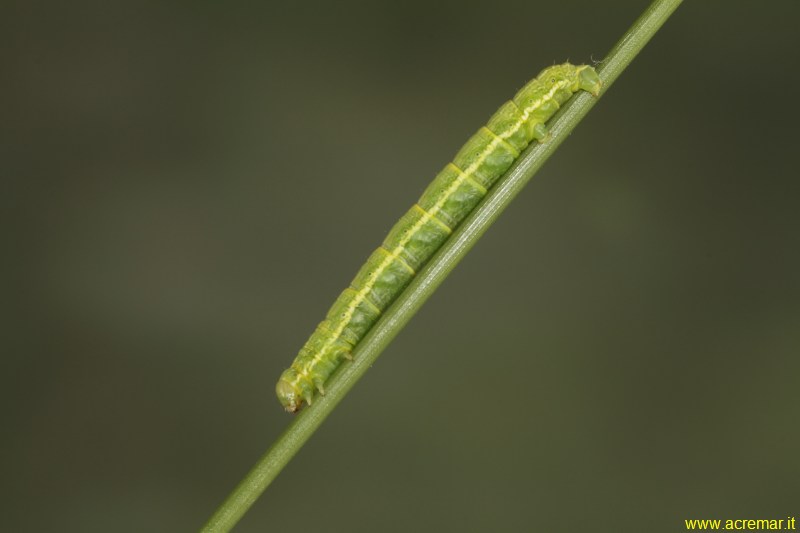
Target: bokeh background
189,185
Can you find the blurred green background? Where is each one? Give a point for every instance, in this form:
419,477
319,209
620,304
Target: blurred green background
189,186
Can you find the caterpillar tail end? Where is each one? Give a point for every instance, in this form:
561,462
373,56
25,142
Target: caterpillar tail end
588,80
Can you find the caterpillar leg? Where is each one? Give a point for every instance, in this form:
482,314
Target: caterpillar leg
320,379
541,133
589,80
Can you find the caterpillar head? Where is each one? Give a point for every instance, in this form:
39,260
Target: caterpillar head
291,391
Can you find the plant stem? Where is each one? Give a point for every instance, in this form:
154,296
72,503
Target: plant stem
423,285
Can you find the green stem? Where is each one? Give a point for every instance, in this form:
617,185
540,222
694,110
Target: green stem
423,285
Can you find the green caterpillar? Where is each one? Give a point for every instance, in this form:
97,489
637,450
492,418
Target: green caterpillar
422,230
